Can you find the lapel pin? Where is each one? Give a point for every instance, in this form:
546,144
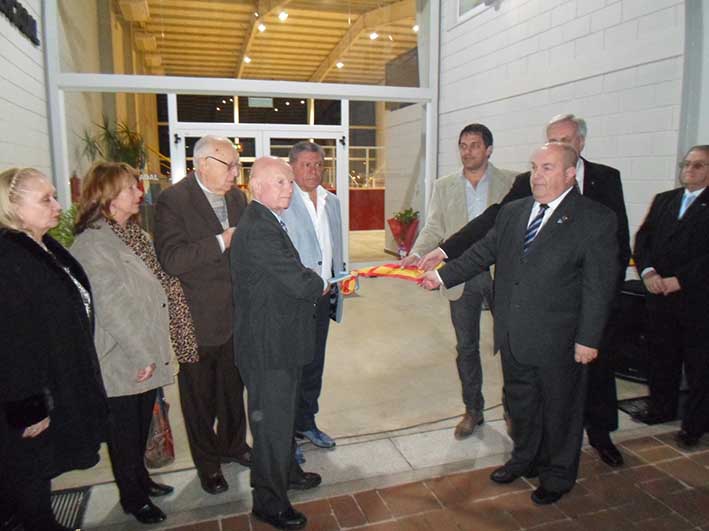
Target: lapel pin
562,219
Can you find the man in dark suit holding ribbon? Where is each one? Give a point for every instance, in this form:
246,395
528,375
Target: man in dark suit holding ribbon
274,331
556,264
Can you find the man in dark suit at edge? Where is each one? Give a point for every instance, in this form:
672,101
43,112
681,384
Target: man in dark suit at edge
602,184
672,257
556,263
274,332
194,223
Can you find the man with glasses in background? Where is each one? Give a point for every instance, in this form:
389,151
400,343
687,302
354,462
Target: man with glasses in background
672,257
194,224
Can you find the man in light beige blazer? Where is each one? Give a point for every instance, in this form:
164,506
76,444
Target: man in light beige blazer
458,198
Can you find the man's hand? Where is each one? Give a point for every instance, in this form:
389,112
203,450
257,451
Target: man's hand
431,260
653,283
670,285
226,236
409,260
430,280
585,354
34,430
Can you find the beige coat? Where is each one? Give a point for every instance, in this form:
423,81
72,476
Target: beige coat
448,211
132,323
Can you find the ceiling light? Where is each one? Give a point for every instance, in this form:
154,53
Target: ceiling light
302,102
374,35
287,104
262,27
256,14
219,108
231,100
415,28
247,59
391,38
282,16
275,109
339,64
223,101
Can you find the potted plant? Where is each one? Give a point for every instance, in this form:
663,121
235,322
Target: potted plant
404,226
115,142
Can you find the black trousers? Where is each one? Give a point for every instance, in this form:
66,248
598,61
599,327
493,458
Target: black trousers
128,427
272,398
311,381
29,499
212,400
546,406
674,339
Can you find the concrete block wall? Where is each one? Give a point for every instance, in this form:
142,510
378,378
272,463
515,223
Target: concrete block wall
24,134
617,63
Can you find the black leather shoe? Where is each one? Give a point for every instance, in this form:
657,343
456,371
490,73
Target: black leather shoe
687,441
158,489
610,455
149,514
503,476
309,480
650,417
243,459
213,483
288,519
542,496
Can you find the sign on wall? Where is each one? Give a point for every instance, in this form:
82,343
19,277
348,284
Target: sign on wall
20,18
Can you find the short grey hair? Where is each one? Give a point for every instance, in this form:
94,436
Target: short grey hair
568,153
205,146
581,127
303,146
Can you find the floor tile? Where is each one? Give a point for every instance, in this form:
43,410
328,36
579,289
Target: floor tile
409,499
236,523
668,522
691,504
686,471
438,520
373,506
347,511
641,443
643,507
700,457
640,474
659,488
314,507
525,512
438,447
607,520
481,516
658,454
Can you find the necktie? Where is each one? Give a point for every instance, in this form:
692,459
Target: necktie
283,224
533,228
686,202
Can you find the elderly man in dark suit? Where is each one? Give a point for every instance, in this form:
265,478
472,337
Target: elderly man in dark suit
194,225
555,257
602,184
672,257
274,330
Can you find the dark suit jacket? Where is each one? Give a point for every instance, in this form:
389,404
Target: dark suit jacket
274,321
560,292
679,248
187,247
601,183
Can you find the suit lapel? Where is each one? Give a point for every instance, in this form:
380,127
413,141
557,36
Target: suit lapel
520,227
201,205
458,206
698,206
589,179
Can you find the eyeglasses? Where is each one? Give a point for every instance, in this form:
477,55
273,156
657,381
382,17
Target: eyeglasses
234,166
696,165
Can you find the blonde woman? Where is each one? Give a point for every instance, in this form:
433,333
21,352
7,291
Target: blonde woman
52,401
141,319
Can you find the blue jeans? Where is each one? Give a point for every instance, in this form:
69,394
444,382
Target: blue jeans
465,315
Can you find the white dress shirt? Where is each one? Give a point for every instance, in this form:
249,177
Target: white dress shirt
318,217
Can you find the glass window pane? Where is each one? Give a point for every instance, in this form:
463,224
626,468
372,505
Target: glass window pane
219,109
374,42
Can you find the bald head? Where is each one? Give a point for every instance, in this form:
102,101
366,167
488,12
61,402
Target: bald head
271,183
553,171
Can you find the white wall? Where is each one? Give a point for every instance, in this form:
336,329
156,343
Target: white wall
404,133
24,135
617,63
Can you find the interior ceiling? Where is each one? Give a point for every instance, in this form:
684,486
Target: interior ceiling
211,38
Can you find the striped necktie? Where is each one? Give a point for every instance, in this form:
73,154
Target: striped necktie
533,228
283,224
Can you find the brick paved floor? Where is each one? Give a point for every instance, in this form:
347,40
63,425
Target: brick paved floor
661,487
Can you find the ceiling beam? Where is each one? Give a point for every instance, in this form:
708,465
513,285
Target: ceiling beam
263,7
368,21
